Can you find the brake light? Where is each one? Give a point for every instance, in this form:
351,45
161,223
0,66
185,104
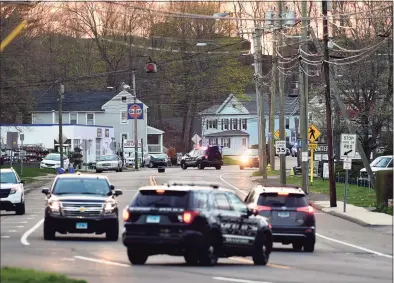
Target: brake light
307,209
126,214
263,208
270,226
188,216
283,193
160,191
206,156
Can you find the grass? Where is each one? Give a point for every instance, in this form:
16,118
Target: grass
230,161
29,173
19,275
269,173
358,196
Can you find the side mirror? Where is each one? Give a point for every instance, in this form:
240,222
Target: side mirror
22,181
112,187
118,193
45,191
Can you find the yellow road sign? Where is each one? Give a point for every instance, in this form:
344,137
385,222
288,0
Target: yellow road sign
313,133
277,134
312,146
12,35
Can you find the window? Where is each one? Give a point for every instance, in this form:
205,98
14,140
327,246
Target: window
310,117
226,124
235,122
221,202
73,118
287,126
222,124
124,136
213,141
76,143
243,141
82,186
244,124
210,124
151,198
124,99
250,197
200,200
89,118
8,178
215,124
98,147
123,117
237,203
226,142
274,200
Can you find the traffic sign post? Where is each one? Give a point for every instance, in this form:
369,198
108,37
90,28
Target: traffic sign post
348,146
312,147
280,147
347,165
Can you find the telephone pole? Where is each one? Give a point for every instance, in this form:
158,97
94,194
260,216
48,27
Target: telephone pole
326,66
260,101
273,102
61,92
303,77
135,124
281,106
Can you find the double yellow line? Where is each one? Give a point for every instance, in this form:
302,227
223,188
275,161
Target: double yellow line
152,181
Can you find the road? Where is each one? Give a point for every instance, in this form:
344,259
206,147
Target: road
345,252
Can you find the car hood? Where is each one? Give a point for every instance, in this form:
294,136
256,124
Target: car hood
9,186
109,161
50,161
79,197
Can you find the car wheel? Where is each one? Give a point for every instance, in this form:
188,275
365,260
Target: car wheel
183,166
49,232
209,254
309,246
112,233
121,169
151,164
297,246
98,171
262,251
136,257
20,208
218,167
200,166
241,167
191,258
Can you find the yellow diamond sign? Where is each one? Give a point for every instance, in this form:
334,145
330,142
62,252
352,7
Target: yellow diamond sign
313,133
277,134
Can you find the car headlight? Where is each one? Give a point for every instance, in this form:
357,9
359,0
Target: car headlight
109,206
54,205
245,158
14,190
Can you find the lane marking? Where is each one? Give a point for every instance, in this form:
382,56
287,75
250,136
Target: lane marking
12,231
24,222
229,279
102,261
11,226
245,260
28,232
322,236
152,181
5,237
129,190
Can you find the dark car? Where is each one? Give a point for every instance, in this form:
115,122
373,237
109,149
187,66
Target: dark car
250,158
292,218
203,157
156,160
79,203
201,222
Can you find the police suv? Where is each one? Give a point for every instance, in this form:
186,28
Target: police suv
199,221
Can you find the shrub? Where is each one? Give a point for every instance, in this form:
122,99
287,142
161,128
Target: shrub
384,186
357,165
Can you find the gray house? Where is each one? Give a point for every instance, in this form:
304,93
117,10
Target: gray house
99,108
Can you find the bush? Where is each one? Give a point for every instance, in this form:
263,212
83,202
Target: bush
19,275
357,165
384,186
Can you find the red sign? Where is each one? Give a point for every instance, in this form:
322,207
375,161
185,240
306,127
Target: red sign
135,111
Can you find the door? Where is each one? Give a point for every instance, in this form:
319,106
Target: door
189,157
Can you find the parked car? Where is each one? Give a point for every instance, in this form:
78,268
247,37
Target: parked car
380,163
109,163
12,192
156,159
52,160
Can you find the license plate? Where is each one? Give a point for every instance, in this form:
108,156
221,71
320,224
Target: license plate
153,219
106,164
82,226
283,214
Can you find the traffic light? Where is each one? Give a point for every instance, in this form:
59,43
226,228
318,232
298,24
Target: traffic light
151,67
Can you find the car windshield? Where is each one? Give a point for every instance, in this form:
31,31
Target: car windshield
376,161
53,156
275,200
108,158
89,186
8,178
159,155
252,152
150,198
382,163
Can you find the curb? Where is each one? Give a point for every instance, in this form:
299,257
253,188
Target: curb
36,185
339,215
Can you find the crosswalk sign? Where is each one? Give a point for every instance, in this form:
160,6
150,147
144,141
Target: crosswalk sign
313,133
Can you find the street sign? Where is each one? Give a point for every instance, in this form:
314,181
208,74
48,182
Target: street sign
277,134
313,146
348,145
322,148
134,111
347,163
313,133
196,139
280,147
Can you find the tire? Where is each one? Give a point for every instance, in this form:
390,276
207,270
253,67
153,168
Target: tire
200,166
183,166
241,167
112,234
20,208
262,250
151,164
309,246
297,246
218,167
136,258
209,254
191,258
121,169
49,232
117,169
98,171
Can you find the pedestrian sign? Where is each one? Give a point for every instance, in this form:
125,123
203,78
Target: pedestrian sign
277,134
312,146
313,133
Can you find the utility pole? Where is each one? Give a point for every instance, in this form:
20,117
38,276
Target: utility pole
281,106
61,92
135,125
326,66
304,87
260,101
273,101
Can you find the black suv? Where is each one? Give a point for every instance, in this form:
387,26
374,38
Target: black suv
203,157
201,222
292,218
81,204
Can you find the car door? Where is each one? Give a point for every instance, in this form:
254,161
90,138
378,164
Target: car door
189,157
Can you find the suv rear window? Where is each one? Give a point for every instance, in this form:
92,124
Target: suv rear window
151,198
275,200
214,152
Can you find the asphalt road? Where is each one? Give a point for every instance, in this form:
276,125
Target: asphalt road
345,252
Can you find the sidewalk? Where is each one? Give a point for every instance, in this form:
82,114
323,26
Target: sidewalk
359,215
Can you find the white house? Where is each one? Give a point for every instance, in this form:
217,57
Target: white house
234,124
107,108
99,139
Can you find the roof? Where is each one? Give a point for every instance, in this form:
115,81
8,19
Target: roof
72,101
279,189
230,133
180,188
154,131
81,175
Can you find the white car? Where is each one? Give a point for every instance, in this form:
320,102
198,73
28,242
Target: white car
380,163
109,163
12,192
52,161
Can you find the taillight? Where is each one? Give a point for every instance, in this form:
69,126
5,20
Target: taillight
307,209
206,156
126,214
264,208
188,216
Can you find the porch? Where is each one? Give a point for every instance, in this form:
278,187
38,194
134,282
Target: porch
155,140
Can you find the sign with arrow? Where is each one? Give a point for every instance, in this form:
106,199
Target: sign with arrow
348,145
